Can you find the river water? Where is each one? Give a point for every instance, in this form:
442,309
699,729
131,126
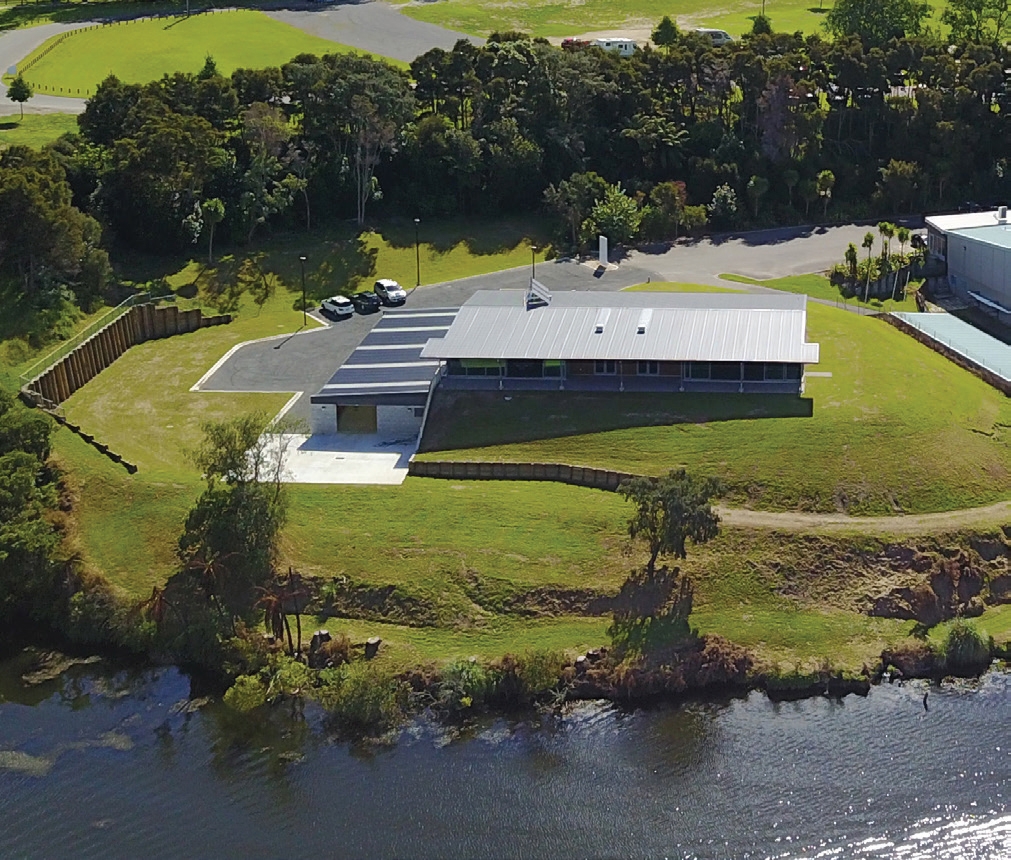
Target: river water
111,763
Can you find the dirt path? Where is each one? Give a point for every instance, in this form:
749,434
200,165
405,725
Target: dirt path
991,515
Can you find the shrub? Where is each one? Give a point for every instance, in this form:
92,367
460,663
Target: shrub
246,694
336,651
966,652
363,696
465,684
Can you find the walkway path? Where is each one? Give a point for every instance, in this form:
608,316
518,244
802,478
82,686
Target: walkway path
902,524
15,45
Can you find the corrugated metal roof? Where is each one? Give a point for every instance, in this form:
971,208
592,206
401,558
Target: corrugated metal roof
589,325
387,364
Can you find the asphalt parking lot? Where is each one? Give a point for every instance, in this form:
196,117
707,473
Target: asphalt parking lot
302,362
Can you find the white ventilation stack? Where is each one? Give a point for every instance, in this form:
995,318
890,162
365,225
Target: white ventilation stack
1002,214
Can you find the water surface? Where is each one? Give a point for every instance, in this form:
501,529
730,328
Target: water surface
111,763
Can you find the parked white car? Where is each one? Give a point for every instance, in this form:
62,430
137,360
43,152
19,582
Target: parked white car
338,307
717,37
390,292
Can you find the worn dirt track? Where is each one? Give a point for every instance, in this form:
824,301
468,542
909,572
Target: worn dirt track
905,524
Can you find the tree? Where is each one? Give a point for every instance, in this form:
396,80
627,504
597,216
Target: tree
670,198
214,214
979,22
18,91
898,183
868,243
903,234
790,179
231,533
875,22
758,186
825,184
852,261
615,216
808,193
670,511
666,34
887,231
761,26
723,208
574,198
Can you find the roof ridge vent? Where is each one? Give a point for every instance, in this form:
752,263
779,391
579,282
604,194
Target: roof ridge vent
601,321
644,317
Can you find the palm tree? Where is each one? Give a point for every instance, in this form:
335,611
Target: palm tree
274,618
296,593
903,234
156,607
887,231
868,243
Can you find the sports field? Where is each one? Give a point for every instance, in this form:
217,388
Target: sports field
142,51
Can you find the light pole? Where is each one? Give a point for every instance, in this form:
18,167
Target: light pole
305,321
533,262
417,252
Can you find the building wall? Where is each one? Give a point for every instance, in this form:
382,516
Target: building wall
399,421
323,419
980,267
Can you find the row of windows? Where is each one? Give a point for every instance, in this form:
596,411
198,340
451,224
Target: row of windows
728,371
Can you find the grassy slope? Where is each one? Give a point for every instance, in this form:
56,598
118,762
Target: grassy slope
895,427
35,130
567,17
819,287
142,51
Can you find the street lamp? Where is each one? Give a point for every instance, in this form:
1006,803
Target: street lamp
533,262
417,252
305,321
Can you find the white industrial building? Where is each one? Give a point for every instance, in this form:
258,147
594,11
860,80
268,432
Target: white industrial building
976,249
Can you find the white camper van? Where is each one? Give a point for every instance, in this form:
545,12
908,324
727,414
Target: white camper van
624,47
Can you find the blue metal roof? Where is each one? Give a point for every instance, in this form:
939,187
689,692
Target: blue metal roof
964,339
387,366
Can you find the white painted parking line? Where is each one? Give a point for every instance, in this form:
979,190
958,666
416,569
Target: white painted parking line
393,346
362,386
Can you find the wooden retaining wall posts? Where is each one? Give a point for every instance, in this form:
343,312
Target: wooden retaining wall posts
139,324
563,473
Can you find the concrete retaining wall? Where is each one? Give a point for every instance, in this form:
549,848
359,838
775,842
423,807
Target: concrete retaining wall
987,375
581,476
139,324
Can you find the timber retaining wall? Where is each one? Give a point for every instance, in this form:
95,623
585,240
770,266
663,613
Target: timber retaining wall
984,373
139,324
563,473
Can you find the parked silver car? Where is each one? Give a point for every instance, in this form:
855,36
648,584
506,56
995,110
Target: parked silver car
390,292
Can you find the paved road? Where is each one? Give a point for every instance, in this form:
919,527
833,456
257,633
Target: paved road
374,27
15,45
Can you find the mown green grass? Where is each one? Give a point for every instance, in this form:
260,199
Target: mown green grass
35,129
896,428
679,287
819,287
144,50
574,17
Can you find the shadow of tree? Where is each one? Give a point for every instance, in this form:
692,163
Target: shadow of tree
651,612
479,238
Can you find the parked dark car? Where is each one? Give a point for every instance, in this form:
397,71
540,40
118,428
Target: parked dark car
366,303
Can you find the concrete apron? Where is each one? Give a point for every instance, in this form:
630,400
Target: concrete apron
344,458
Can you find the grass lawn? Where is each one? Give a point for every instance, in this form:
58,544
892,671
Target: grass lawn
142,51
35,129
819,287
569,18
895,428
677,287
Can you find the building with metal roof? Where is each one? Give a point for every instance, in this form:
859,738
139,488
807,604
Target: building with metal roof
383,386
646,341
975,249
